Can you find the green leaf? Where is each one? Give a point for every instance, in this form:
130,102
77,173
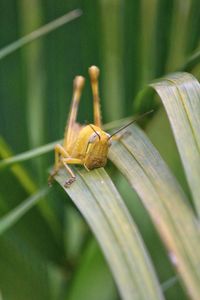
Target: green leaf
112,45
25,179
178,38
51,26
191,62
100,203
26,155
24,274
91,275
14,215
180,95
165,201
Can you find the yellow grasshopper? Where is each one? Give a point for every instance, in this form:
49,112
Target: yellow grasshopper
85,145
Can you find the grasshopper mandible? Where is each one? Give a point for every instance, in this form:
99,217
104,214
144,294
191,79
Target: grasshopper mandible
85,145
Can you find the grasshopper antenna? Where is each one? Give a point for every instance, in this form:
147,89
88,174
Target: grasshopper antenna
95,131
77,90
137,119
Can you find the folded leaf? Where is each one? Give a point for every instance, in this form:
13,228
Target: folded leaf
100,203
165,201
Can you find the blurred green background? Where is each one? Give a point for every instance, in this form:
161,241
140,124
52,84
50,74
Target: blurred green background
50,253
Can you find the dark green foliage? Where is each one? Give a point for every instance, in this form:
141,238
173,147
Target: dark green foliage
50,253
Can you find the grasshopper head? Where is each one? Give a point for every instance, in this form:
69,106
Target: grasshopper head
97,150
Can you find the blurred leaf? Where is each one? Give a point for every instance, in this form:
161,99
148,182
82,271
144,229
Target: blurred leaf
57,281
148,34
26,181
166,203
91,275
74,233
24,274
23,177
14,215
98,200
178,34
191,62
27,155
132,42
112,67
51,26
33,72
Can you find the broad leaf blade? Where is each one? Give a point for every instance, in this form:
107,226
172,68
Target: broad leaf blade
98,200
180,94
142,165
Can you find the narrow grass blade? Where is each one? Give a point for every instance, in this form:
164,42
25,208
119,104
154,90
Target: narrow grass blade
98,200
29,185
166,203
51,26
14,215
169,283
28,155
180,94
191,62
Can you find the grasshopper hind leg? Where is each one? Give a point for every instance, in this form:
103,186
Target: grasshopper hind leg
71,122
94,75
59,150
71,130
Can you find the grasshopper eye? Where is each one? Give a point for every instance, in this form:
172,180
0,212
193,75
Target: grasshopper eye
93,137
109,140
108,135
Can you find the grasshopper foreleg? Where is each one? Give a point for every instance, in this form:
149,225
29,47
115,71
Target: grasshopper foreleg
61,159
73,161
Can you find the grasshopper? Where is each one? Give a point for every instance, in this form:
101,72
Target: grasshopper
85,145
